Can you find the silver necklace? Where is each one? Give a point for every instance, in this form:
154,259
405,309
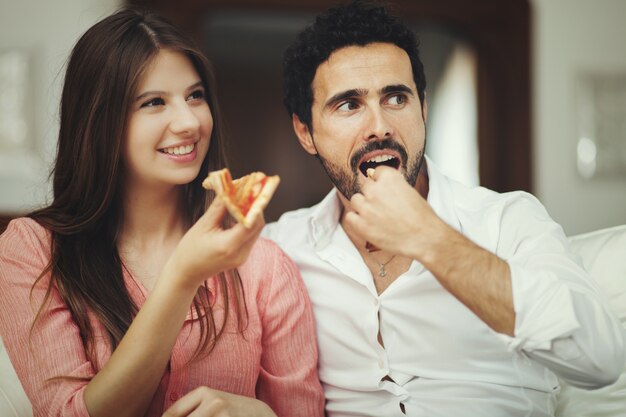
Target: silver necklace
381,272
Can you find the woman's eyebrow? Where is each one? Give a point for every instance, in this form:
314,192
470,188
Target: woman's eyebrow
150,93
164,93
196,85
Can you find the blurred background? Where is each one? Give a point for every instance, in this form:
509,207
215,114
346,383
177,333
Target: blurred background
522,94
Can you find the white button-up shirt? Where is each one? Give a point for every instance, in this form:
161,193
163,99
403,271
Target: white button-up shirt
439,358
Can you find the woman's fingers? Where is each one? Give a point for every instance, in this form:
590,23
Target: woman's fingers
201,402
240,240
207,248
215,213
210,408
207,402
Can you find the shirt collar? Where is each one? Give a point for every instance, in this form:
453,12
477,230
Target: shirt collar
441,197
324,218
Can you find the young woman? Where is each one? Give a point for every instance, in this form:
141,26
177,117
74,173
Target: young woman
126,296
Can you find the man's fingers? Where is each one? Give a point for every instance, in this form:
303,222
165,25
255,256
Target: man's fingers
357,201
356,223
363,205
374,173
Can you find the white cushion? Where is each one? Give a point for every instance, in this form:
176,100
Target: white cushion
13,400
603,254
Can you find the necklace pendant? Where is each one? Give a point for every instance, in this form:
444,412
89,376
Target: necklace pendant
382,273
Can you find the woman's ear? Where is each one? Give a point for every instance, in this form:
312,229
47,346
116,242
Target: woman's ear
304,135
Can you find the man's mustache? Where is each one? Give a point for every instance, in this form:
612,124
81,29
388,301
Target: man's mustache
376,145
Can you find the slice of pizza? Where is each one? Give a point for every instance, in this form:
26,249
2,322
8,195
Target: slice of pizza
245,197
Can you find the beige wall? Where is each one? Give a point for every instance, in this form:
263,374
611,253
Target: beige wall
569,37
46,32
572,37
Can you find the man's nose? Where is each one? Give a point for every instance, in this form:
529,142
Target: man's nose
378,125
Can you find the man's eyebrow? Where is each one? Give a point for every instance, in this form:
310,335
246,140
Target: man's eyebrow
355,92
396,88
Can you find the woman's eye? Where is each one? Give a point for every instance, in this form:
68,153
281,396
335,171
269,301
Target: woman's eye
348,106
397,100
196,95
153,102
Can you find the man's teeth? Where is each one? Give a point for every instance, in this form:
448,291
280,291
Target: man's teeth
380,158
179,150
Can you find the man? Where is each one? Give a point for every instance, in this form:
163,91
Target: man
431,298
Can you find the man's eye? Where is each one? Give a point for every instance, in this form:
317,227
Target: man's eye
153,102
196,95
397,100
348,106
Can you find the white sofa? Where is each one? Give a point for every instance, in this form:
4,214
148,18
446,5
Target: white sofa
603,253
13,400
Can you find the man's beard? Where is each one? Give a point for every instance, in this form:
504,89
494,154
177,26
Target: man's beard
348,182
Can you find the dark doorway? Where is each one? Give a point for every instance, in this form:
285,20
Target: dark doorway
245,40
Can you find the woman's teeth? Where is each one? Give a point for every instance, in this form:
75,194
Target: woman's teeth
179,150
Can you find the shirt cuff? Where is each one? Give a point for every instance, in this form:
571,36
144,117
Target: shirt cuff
543,310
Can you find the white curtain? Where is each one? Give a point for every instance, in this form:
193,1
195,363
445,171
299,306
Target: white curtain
452,118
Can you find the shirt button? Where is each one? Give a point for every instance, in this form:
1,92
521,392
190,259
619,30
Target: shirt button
381,363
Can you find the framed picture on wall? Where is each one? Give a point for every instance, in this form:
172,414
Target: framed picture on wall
14,87
601,108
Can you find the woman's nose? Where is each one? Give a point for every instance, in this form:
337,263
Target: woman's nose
184,120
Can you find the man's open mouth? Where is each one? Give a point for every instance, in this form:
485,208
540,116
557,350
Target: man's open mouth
378,160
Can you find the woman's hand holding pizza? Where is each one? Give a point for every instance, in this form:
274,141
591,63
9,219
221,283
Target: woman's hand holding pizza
207,248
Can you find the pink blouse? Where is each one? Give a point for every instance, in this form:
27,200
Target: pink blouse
274,360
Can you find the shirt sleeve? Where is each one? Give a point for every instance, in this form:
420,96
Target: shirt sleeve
53,348
288,378
562,320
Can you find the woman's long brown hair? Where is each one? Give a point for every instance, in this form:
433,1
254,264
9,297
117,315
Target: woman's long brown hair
88,177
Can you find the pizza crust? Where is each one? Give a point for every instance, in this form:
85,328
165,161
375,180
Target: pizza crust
262,200
221,182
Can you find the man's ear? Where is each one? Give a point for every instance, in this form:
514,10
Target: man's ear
304,135
425,108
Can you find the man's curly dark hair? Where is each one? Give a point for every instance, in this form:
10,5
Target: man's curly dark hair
357,23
